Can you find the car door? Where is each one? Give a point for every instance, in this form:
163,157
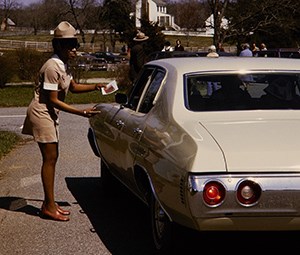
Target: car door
134,125
117,152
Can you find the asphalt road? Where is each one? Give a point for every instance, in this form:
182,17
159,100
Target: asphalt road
102,221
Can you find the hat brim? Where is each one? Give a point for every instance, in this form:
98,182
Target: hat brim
141,39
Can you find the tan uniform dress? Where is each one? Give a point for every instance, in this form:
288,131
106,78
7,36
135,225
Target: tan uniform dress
42,118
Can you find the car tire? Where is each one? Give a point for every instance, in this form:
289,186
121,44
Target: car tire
161,228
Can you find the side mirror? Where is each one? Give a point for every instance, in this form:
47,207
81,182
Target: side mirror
121,98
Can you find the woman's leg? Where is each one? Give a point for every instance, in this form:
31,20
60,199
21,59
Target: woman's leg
49,153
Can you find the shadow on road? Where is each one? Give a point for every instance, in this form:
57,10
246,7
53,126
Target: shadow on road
122,223
119,218
18,204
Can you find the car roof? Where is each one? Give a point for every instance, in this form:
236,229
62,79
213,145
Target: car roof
196,64
176,54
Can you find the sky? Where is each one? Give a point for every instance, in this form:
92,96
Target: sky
28,2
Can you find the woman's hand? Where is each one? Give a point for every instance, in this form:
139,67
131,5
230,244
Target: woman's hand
99,86
90,112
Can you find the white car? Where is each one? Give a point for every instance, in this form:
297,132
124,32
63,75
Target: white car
222,160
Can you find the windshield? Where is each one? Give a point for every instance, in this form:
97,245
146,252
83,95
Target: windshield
217,92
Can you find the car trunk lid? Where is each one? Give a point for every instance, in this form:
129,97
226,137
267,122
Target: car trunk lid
257,144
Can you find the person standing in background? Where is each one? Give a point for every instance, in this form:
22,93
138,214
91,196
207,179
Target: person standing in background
42,122
254,49
212,86
246,52
178,46
220,47
212,52
263,46
167,46
137,55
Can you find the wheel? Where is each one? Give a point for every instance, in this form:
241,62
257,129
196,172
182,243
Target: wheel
161,228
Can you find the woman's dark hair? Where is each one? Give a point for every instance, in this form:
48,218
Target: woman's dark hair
64,43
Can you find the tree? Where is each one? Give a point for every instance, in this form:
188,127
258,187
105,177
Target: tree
260,18
187,19
218,8
6,7
116,18
156,37
265,20
81,12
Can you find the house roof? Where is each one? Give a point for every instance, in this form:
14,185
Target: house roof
160,2
10,22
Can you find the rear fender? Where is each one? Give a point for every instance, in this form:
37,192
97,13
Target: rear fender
144,183
93,143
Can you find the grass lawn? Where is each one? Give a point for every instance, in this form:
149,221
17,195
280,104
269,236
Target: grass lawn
8,141
21,95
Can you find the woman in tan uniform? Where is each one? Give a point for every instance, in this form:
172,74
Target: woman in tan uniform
42,114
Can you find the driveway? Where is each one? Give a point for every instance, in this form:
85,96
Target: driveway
101,223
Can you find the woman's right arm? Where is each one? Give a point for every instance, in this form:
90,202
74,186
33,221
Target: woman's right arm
58,104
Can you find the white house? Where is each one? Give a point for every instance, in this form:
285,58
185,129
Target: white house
7,24
156,11
209,24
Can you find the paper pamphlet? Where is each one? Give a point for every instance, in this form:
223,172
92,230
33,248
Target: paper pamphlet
109,88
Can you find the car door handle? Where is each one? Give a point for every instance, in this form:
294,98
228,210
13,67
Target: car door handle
137,131
120,123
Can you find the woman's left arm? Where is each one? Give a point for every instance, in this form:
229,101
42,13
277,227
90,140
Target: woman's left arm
80,88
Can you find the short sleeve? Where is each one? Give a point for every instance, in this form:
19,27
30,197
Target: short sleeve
51,79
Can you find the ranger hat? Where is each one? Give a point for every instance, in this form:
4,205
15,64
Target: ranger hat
140,37
64,30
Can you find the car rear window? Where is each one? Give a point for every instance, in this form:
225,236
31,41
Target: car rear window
249,91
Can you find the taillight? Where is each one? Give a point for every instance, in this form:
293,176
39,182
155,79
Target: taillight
213,193
248,192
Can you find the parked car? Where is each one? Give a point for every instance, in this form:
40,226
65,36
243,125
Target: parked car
109,57
82,61
229,161
279,53
98,64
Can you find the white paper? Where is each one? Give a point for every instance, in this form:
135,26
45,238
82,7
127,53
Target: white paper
110,88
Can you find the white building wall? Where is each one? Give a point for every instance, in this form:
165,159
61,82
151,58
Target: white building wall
152,11
138,13
155,14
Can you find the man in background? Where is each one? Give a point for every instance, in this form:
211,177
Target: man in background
137,55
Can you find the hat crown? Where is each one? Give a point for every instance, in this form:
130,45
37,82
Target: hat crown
140,36
64,30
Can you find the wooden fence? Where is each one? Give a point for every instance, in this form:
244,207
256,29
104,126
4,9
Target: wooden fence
86,47
42,46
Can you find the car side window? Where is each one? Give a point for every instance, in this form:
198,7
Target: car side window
147,102
143,81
